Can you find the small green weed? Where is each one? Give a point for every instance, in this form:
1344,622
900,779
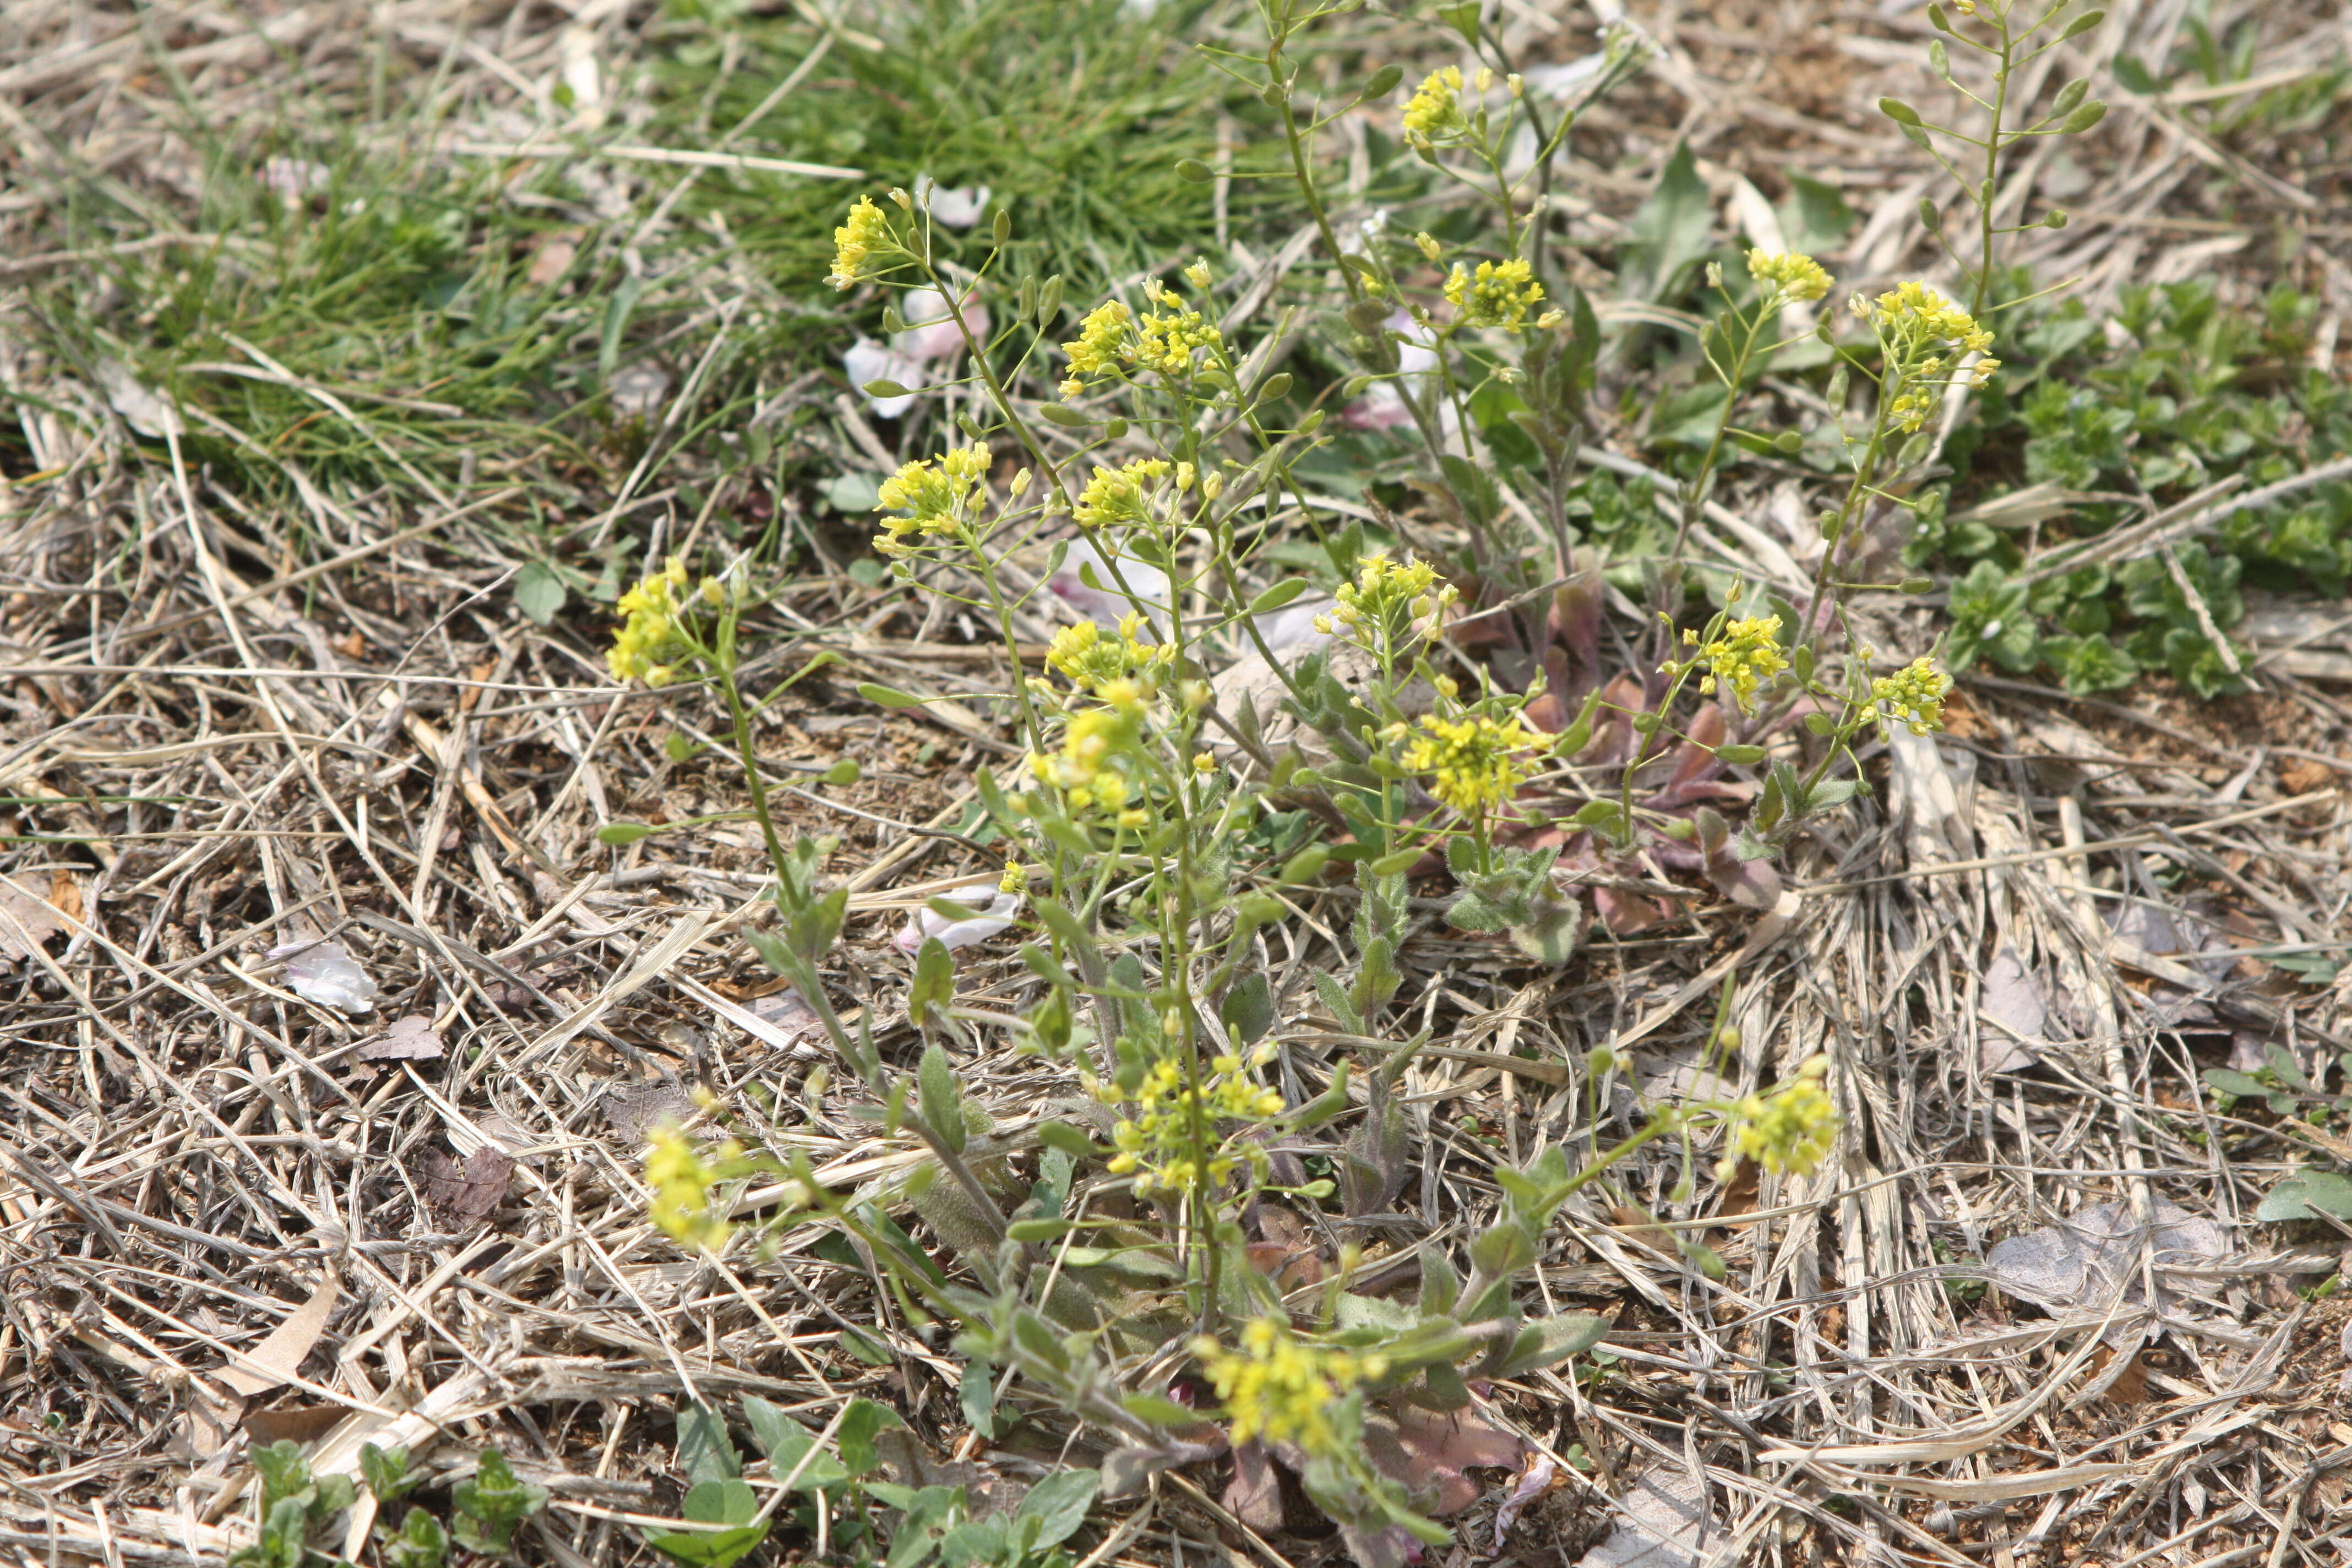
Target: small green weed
2176,393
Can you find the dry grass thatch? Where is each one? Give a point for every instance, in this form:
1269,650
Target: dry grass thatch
229,1214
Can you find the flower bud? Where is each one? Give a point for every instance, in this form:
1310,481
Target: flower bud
1212,485
1198,274
1429,245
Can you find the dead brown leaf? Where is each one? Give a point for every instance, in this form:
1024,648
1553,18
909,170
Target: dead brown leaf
409,1038
464,1195
26,919
278,1359
1428,1451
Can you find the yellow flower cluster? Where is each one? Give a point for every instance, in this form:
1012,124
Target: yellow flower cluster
929,499
1088,658
1924,335
856,242
1091,767
1474,762
1434,111
649,641
681,1180
1382,588
1747,655
1914,695
1799,278
1167,1134
1016,878
1118,495
1167,338
1100,347
1791,1129
1498,295
1282,1388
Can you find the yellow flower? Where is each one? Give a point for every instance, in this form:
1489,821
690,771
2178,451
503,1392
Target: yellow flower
649,640
681,1180
1100,346
1158,1133
1914,695
1743,658
1497,295
929,499
1472,762
1016,878
1793,1128
1198,273
1282,1388
856,242
1118,495
1102,664
1166,340
1799,278
1435,113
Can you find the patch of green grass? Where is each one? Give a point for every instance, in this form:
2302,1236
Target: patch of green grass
362,321
2175,392
1073,112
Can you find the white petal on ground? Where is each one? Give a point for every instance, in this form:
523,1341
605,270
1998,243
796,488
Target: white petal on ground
867,359
323,973
147,414
1102,601
953,935
1294,625
1531,1486
931,331
1664,1525
959,206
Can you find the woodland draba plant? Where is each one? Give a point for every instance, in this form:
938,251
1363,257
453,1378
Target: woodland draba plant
1155,834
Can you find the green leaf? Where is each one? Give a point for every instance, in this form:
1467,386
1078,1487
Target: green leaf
788,1444
1248,1008
385,1470
2239,1085
1815,218
1059,1504
1463,17
887,696
421,1543
1028,1230
1281,594
538,593
2305,1191
705,1451
976,1393
934,986
1070,1139
1159,1412
865,1346
859,1424
1670,229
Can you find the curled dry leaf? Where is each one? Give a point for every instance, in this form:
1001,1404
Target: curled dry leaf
27,921
409,1038
637,1109
463,1195
324,973
2012,999
2090,1261
1430,1452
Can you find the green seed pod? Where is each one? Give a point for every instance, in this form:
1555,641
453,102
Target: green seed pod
1003,225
